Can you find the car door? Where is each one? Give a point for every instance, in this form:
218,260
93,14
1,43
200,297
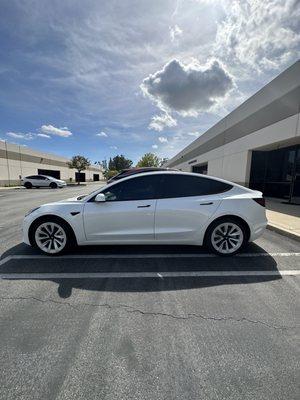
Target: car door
186,204
127,215
42,181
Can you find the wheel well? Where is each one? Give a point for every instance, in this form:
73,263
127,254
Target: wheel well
48,218
233,217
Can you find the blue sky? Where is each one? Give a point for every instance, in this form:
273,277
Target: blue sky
100,78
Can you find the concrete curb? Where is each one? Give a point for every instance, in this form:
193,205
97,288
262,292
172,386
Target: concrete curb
283,232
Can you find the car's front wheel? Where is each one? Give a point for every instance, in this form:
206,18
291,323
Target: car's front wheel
52,237
226,236
28,185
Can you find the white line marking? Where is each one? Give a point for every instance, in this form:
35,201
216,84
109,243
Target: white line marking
139,256
160,275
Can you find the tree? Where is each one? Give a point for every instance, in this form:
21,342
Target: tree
119,162
79,163
149,160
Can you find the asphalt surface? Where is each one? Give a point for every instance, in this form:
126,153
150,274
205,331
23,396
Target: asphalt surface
144,322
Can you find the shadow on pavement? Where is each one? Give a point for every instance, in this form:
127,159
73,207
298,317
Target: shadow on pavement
165,262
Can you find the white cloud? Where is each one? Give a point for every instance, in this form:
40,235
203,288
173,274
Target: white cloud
187,88
175,32
19,135
52,130
114,147
154,146
43,135
101,134
159,122
261,35
162,139
195,134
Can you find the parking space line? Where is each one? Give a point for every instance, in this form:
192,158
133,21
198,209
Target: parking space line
138,256
160,275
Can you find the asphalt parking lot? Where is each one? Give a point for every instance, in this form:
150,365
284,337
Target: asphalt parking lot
145,322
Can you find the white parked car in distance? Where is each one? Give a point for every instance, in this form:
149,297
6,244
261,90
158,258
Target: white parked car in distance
166,207
42,181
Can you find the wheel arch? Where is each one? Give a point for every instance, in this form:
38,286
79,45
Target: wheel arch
233,217
51,217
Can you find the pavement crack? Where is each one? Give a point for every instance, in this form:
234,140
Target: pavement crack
131,309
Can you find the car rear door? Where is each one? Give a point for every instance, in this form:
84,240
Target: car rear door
127,215
186,204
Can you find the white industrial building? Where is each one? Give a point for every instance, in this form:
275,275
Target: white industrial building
19,161
257,144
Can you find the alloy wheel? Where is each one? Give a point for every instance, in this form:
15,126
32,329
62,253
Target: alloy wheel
50,237
227,238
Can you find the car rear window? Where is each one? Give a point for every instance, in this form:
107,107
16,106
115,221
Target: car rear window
177,185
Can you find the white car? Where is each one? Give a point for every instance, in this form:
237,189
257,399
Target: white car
42,181
152,208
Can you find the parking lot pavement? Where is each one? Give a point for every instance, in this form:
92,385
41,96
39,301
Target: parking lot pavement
146,322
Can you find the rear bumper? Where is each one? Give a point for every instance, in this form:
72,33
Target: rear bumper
256,230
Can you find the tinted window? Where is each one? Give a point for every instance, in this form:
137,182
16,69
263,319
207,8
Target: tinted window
188,185
33,177
140,188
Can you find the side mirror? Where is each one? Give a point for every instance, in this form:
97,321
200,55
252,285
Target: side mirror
100,198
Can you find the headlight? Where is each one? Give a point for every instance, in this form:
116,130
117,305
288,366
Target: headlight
31,211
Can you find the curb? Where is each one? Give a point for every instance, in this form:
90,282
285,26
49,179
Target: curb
283,232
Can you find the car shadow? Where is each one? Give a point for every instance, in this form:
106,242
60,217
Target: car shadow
138,259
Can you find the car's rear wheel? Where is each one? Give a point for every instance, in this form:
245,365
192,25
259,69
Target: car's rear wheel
52,236
53,185
28,185
226,236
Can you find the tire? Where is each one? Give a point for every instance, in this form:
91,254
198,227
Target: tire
28,185
226,237
52,236
53,185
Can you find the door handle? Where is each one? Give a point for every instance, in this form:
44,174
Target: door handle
208,203
148,205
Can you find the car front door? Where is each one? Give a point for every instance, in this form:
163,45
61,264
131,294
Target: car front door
186,205
127,215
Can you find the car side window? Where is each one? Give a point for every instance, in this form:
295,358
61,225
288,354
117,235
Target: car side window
177,185
42,178
139,188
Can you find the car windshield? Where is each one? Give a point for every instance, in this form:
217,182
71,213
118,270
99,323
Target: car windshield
83,196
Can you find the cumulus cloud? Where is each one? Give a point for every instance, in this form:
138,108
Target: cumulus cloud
43,135
162,139
101,134
159,122
175,32
154,146
19,135
262,35
187,88
52,130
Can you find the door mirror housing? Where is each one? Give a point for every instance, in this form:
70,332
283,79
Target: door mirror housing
100,198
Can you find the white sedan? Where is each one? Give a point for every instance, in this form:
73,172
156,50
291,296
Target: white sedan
166,207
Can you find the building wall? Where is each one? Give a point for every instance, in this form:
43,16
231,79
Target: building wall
21,161
232,160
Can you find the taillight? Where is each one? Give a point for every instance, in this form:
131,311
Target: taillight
261,201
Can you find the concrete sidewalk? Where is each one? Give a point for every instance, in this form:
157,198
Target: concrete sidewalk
283,218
